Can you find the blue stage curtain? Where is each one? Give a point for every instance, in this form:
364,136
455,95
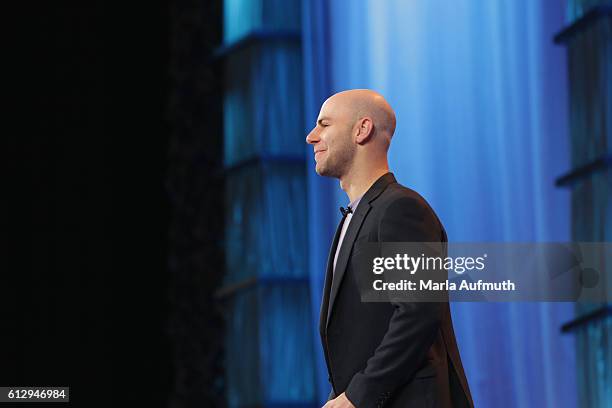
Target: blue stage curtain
263,102
269,347
480,93
266,298
578,8
243,17
317,87
590,76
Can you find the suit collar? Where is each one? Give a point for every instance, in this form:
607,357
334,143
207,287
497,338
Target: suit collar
378,187
349,238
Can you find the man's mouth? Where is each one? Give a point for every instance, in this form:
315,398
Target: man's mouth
318,152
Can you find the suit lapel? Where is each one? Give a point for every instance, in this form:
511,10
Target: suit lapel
349,238
345,249
328,279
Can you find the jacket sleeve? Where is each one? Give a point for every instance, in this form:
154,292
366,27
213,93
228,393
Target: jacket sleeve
413,325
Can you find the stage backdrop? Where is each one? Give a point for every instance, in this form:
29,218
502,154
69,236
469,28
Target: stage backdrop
480,93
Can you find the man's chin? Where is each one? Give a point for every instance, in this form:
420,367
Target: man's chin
321,171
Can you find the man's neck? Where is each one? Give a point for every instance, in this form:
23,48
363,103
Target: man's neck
355,184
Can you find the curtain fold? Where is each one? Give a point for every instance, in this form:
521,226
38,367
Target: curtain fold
269,348
590,77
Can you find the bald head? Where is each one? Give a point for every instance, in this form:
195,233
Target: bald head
360,103
353,133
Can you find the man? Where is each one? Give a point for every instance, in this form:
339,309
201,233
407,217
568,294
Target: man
395,354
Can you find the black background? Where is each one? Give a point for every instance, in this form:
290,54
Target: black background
87,298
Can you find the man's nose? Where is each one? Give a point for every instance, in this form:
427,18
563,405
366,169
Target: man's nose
312,137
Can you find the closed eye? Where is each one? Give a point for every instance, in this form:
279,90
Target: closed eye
320,123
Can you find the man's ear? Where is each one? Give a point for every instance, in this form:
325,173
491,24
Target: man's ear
365,130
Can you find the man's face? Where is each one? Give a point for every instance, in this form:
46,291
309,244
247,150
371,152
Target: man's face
332,141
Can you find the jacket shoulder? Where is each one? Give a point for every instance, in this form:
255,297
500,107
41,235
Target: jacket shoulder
397,192
397,195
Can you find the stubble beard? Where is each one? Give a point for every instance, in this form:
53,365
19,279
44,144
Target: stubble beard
338,165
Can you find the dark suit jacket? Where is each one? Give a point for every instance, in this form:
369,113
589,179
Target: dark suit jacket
389,354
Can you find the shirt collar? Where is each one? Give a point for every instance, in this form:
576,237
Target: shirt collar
353,204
